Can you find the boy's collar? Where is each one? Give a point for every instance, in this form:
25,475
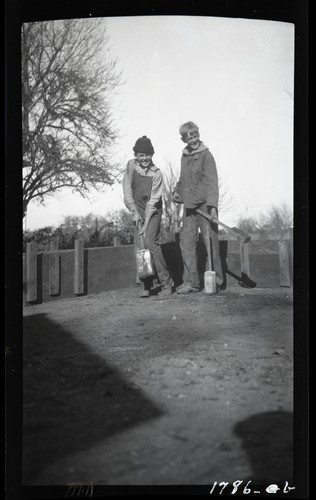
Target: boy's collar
152,166
201,148
190,149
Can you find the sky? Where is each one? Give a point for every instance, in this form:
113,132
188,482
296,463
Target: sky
233,77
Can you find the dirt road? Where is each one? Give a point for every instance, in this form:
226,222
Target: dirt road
187,390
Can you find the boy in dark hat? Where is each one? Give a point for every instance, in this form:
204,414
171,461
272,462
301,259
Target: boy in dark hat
142,188
196,188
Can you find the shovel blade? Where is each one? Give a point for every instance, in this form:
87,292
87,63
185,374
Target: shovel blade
240,235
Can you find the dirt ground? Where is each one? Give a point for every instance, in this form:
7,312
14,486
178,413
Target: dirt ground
181,391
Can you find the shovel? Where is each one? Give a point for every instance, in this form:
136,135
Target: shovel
144,261
234,231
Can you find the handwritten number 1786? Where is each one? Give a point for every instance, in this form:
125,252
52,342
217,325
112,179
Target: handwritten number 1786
246,490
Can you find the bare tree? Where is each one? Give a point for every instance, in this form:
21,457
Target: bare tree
248,224
277,218
68,79
225,198
275,221
172,212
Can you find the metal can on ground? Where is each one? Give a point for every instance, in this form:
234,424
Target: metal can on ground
210,286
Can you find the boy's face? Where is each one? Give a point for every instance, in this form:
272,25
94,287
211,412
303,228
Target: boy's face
144,159
192,139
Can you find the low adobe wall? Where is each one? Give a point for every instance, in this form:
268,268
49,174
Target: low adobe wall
57,274
105,268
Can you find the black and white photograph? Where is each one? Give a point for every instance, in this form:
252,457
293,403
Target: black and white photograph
162,284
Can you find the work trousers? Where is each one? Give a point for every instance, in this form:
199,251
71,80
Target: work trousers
152,244
189,234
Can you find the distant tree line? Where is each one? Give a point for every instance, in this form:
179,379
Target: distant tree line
100,231
275,222
95,231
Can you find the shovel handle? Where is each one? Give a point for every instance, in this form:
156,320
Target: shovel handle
234,231
208,246
141,236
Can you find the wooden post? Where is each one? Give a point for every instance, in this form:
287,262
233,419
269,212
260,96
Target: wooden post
79,267
284,260
116,241
244,259
292,253
31,271
54,269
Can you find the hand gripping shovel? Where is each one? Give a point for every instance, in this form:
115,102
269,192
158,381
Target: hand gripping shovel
144,261
237,233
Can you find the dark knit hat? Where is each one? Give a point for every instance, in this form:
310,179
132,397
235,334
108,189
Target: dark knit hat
143,145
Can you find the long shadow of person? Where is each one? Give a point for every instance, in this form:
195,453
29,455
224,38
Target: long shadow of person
268,440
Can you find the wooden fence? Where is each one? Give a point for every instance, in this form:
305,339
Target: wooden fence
58,273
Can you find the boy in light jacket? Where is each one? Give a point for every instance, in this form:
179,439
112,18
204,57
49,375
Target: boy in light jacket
197,188
142,189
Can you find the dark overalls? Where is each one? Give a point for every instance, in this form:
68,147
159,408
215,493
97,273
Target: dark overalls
141,186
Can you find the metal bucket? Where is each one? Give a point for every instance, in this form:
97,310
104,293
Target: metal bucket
144,264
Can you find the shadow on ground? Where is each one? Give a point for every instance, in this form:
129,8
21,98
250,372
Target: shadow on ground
267,439
71,397
172,254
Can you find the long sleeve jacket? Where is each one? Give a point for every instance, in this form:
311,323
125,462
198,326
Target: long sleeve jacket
155,198
198,182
